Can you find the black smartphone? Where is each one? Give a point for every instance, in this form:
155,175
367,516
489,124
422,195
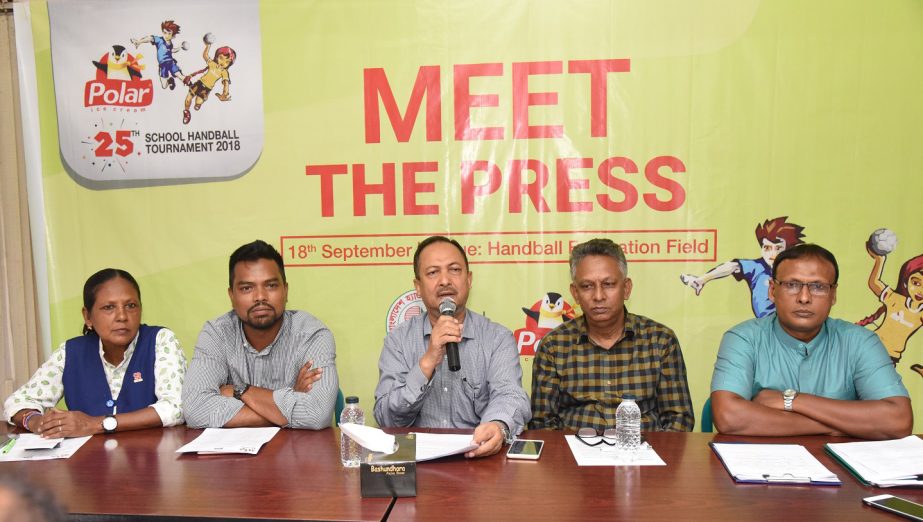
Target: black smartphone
897,505
525,449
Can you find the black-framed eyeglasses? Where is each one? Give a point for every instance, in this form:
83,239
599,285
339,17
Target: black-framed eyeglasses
592,437
794,287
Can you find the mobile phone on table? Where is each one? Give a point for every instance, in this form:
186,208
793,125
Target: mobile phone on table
525,449
897,505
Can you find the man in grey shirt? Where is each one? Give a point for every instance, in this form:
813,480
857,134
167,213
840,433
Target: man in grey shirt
416,387
259,364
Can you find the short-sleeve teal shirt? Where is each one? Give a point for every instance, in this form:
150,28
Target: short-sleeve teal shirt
844,362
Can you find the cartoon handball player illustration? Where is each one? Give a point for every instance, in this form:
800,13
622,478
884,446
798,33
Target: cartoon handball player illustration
169,69
216,69
773,236
901,309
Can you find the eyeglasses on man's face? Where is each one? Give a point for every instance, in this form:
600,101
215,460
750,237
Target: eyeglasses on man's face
794,287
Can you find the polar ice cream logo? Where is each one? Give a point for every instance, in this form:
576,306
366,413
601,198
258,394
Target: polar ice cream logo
405,307
118,81
144,98
545,315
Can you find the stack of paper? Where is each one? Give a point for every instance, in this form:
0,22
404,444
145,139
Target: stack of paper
29,446
230,440
887,463
773,463
429,446
432,446
31,441
604,455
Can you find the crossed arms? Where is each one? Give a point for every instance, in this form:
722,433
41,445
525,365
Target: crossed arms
302,394
887,418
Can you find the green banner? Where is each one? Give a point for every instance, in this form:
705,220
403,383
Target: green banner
693,133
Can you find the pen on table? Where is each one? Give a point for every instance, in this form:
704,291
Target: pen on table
7,446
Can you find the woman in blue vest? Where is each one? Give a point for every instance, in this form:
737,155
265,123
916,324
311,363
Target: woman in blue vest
119,375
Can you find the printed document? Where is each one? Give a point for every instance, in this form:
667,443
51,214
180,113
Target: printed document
429,445
29,446
230,440
437,445
884,463
605,455
773,463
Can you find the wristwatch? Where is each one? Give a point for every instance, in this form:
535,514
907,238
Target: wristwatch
505,430
110,423
239,391
788,396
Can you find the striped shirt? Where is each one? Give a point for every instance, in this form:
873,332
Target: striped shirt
577,384
487,387
223,356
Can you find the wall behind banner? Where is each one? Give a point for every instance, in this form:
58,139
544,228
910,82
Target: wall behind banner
674,128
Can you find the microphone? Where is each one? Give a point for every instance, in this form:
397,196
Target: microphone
447,307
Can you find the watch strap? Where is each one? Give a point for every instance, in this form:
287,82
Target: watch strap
505,430
788,397
239,391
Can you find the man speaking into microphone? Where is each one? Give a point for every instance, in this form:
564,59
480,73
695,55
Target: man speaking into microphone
451,367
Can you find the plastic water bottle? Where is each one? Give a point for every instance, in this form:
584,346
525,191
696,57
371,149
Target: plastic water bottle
628,427
349,449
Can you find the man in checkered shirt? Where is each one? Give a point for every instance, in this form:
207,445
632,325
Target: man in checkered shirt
585,367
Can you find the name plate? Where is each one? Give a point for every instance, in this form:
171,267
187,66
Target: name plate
391,475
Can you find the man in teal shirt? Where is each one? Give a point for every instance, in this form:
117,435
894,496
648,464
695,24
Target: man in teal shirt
799,372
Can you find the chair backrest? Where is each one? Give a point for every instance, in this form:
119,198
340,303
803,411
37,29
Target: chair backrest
341,403
707,425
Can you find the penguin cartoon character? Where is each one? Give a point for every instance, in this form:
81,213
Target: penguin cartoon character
550,312
119,65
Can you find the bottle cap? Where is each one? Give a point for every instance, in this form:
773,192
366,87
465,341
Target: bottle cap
628,397
352,399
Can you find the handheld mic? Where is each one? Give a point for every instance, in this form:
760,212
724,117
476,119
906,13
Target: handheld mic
447,307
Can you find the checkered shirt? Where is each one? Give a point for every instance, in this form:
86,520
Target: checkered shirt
577,384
